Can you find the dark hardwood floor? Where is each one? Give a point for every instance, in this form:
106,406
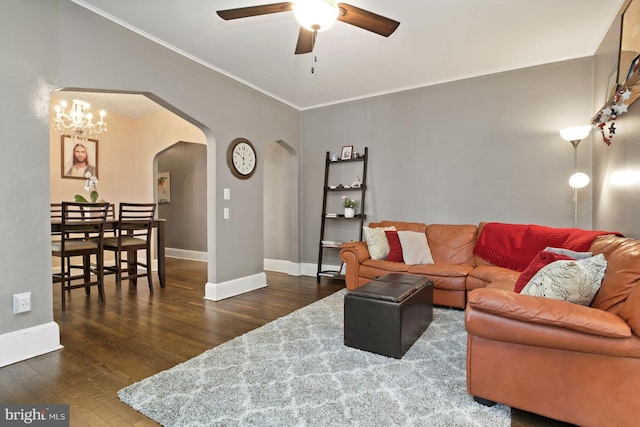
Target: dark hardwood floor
109,346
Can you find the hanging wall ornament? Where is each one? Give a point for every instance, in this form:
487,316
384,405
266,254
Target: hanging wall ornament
610,114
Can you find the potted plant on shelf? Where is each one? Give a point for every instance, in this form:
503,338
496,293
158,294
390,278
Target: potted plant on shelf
349,207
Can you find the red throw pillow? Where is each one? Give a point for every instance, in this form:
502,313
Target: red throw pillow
395,248
541,259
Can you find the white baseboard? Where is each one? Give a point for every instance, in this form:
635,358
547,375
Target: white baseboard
186,254
29,342
293,269
282,266
220,291
309,269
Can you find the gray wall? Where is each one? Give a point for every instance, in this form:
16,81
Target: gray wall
277,202
616,199
186,220
483,149
25,83
36,60
224,108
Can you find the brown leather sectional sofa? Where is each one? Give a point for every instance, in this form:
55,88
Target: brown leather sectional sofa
455,271
558,359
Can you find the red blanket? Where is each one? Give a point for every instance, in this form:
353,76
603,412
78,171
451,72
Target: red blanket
515,245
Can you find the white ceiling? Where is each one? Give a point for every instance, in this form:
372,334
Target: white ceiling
437,41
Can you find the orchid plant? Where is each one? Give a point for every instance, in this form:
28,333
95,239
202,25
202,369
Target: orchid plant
91,187
349,203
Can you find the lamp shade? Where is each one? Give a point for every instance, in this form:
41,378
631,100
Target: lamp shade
316,15
576,133
579,180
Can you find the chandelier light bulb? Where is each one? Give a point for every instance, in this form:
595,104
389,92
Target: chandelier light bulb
79,120
579,180
316,15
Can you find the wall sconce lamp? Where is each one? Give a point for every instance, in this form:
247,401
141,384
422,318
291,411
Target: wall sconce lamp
575,135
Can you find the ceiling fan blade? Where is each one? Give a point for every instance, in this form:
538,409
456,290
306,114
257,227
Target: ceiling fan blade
245,12
306,40
367,20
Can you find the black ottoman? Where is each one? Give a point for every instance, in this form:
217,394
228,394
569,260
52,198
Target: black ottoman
388,315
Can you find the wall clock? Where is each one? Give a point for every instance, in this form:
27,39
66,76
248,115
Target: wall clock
242,159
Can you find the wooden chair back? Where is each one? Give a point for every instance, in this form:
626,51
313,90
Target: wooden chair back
83,220
136,220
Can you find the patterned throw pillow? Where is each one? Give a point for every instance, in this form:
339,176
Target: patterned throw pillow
415,248
575,281
377,242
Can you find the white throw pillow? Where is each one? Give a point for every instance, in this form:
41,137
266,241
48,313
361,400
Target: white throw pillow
569,253
377,242
574,281
415,248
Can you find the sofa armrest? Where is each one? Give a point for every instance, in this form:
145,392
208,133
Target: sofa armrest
545,311
353,253
359,249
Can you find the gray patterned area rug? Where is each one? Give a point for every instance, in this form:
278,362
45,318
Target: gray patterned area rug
296,371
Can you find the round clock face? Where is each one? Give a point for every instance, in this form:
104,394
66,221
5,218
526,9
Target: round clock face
242,159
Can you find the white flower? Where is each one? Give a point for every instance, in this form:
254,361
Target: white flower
92,182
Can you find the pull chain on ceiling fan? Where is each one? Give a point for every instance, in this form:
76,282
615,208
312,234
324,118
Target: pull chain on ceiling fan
318,15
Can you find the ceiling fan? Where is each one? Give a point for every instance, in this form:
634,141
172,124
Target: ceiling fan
318,15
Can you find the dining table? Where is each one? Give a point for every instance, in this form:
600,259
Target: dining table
111,224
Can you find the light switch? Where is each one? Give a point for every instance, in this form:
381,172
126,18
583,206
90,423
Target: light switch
226,213
227,194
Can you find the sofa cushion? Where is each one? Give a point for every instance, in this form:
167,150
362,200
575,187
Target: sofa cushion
395,248
371,269
541,259
452,243
402,226
441,270
622,276
415,249
377,242
575,281
492,273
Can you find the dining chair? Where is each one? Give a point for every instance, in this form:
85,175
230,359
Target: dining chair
56,216
133,233
77,222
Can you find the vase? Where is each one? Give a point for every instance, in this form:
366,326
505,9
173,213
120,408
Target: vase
349,212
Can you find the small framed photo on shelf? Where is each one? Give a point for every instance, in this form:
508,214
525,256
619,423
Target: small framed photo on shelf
346,152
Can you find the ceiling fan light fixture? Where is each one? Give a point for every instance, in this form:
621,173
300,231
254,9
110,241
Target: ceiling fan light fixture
316,15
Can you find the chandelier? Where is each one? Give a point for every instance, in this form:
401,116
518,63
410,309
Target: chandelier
79,120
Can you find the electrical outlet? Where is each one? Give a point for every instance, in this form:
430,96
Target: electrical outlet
226,213
22,302
227,194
